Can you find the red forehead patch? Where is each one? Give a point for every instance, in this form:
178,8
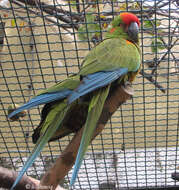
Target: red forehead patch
129,17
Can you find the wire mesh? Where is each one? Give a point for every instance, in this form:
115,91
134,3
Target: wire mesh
43,42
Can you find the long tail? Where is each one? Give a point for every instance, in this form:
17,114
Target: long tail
41,99
48,133
94,112
90,83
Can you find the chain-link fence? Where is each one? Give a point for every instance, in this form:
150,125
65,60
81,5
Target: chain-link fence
43,42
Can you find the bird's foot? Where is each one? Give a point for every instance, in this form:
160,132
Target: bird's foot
127,87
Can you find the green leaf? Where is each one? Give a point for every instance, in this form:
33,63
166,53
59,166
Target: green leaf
157,45
150,24
158,22
13,22
147,24
90,29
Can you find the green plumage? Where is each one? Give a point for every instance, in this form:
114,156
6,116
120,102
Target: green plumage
60,117
109,55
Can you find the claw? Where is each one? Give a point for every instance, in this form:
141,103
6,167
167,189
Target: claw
127,87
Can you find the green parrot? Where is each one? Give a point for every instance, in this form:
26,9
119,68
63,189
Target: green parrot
78,101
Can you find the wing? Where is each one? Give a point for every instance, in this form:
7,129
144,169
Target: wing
57,92
41,99
94,81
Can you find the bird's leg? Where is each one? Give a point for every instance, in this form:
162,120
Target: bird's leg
127,87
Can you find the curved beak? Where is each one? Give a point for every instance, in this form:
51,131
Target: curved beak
133,31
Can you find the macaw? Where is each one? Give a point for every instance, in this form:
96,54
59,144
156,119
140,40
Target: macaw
79,99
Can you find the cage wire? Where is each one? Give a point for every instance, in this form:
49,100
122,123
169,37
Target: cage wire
43,42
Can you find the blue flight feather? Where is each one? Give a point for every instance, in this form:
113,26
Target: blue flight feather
41,99
94,81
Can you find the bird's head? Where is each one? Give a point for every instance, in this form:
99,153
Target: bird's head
126,25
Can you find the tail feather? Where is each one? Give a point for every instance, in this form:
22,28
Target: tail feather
94,112
41,143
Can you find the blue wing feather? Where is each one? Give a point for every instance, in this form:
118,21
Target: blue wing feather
41,99
94,81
